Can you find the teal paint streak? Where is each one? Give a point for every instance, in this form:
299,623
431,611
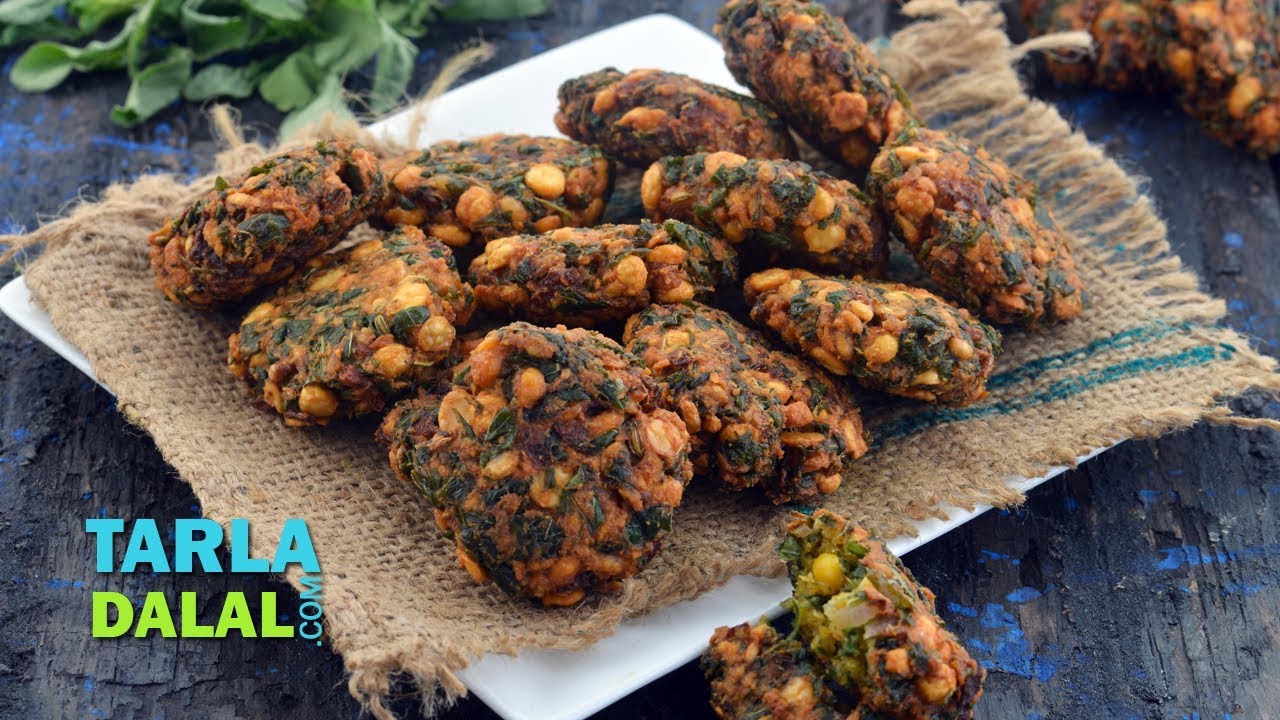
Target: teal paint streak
1060,390
1123,339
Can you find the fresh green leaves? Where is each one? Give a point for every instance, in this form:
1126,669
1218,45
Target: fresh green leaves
494,9
288,11
213,30
219,80
392,69
293,83
297,54
329,99
26,12
157,85
42,67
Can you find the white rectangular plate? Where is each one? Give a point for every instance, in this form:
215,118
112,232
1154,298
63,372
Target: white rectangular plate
559,685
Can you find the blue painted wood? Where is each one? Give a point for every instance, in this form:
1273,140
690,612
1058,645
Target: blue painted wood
1145,584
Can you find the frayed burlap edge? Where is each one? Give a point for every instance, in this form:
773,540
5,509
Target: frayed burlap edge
959,67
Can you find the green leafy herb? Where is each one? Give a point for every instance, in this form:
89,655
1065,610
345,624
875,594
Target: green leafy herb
574,301
218,80
330,98
790,549
297,54
45,65
494,9
502,429
292,84
392,68
536,537
602,441
579,477
25,12
407,319
596,519
646,524
266,228
157,85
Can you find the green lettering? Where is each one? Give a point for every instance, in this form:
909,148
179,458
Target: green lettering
191,627
269,626
155,615
235,616
102,625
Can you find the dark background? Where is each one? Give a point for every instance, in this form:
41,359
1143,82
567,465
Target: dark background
1145,584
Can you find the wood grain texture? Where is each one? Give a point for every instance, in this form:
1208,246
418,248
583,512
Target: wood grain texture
1145,584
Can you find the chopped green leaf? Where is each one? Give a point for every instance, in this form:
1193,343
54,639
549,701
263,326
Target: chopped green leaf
579,477
502,429
574,301
407,319
790,549
646,524
602,441
597,514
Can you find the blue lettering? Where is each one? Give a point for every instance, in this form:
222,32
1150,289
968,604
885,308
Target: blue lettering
104,531
295,547
186,548
304,632
240,560
312,586
145,547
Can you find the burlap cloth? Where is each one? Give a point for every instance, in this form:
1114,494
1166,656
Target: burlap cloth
1149,355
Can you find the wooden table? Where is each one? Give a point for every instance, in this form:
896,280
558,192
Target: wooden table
1145,584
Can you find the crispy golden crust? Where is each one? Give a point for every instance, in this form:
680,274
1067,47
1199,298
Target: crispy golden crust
470,191
646,114
258,229
548,463
422,410
1222,56
977,228
872,628
706,367
823,433
756,675
406,430
353,331
821,79
757,417
586,276
891,337
1123,59
1219,57
786,210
